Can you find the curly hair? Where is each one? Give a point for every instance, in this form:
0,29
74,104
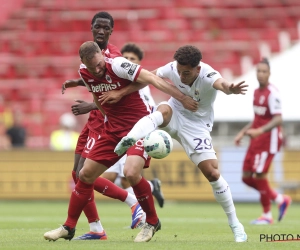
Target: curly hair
104,15
133,48
188,55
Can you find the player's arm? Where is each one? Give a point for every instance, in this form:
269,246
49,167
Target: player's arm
146,76
240,135
82,107
71,84
255,132
114,96
230,88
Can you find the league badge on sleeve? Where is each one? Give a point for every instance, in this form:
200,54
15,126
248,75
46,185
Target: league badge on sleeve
211,74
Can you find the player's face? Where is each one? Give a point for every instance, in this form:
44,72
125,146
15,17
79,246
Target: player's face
187,73
131,57
262,74
96,66
101,30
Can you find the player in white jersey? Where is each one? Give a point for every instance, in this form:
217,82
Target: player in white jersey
192,129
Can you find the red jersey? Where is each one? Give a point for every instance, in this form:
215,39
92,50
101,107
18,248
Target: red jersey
266,104
96,119
121,116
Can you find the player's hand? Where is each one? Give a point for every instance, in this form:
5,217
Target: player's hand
81,107
69,84
239,88
254,132
112,96
190,104
238,138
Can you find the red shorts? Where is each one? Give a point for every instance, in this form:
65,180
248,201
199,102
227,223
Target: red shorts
100,148
257,161
82,139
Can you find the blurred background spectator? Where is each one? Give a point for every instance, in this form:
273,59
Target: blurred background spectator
17,132
66,137
5,143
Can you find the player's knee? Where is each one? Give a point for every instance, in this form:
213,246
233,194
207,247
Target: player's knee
213,175
166,112
85,176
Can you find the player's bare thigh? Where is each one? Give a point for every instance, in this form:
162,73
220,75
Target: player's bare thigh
91,171
166,111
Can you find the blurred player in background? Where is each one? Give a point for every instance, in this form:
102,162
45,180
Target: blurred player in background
192,129
266,139
100,74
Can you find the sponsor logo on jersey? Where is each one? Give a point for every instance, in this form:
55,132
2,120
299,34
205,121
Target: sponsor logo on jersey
259,110
103,87
132,69
181,86
211,74
90,80
107,77
126,65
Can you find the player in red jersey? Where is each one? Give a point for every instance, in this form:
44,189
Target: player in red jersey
102,74
102,25
266,139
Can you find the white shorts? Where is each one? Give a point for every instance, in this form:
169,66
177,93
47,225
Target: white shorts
193,137
118,167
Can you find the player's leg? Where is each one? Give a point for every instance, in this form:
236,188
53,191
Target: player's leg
248,173
134,165
80,196
268,194
208,165
147,124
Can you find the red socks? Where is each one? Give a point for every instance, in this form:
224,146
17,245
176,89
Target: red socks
107,188
82,193
144,196
266,194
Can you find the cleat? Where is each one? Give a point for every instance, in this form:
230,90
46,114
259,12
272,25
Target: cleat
92,236
262,221
125,143
239,232
157,192
138,216
63,232
284,206
147,232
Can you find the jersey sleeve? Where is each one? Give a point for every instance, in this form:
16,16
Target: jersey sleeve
164,71
274,102
126,69
210,74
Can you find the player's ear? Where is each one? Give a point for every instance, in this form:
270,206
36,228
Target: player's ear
198,69
103,52
111,31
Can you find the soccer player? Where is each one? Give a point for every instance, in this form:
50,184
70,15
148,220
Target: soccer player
101,74
192,129
265,141
135,54
102,25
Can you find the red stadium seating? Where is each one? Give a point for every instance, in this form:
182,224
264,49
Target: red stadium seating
39,43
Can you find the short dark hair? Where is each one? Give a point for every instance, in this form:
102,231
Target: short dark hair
88,49
105,15
132,47
188,55
265,61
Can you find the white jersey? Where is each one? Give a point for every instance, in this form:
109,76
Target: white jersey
201,91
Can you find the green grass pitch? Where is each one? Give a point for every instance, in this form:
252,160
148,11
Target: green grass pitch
184,226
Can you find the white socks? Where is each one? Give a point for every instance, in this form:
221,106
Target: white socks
96,227
146,125
130,200
223,196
